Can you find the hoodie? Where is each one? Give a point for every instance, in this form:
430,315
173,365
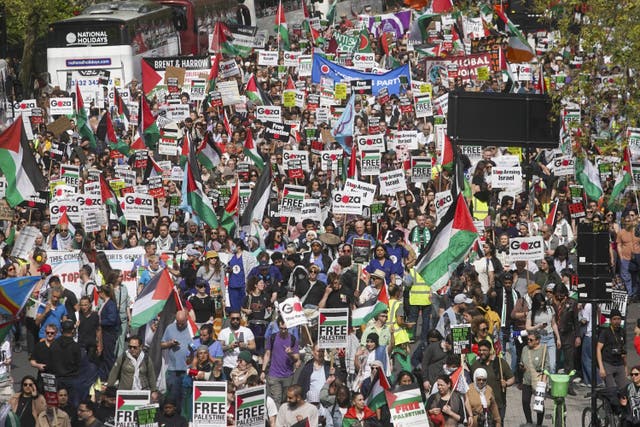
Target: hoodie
66,362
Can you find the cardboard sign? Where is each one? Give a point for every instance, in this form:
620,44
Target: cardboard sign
209,404
526,248
361,251
392,182
461,338
292,201
576,210
127,402
270,113
292,312
406,406
268,58
509,178
345,202
371,142
333,328
61,124
370,163
60,106
174,73
366,190
251,408
420,169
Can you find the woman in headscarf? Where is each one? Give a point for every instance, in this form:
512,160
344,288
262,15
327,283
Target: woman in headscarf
483,404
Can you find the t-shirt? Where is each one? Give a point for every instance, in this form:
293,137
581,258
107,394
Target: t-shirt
614,345
177,355
87,329
287,417
53,317
281,363
228,336
202,307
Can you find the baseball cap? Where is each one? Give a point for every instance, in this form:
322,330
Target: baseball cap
462,299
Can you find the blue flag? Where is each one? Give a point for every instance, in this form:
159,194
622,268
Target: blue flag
343,128
14,293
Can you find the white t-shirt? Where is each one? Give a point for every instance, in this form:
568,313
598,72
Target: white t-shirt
5,354
226,337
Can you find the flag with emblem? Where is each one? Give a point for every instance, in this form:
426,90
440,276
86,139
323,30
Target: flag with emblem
362,315
18,164
152,299
110,199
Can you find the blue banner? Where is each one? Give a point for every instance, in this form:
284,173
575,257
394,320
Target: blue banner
391,80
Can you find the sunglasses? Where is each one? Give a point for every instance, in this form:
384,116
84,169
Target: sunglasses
234,318
28,385
134,347
531,340
635,374
50,333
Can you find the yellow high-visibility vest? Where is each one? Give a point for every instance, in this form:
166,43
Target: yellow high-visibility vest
420,293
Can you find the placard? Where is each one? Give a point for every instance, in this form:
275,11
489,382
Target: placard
146,415
333,328
345,202
292,201
290,58
371,163
408,138
209,404
59,206
229,92
562,166
443,200
423,105
576,210
421,169
251,409
406,406
127,401
269,113
361,251
461,338
311,209
366,190
526,248
268,58
25,242
50,390
392,182
508,178
137,205
292,312
302,155
6,212
60,106
371,142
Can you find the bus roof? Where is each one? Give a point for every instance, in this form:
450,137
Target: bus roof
116,11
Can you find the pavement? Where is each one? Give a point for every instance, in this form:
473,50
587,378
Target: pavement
514,416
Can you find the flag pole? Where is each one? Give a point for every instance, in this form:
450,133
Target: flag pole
279,22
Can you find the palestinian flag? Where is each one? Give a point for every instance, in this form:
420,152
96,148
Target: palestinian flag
152,299
199,202
18,165
302,423
214,72
106,133
334,317
147,125
377,397
452,240
216,392
258,200
459,381
110,199
64,220
220,41
208,153
231,210
362,315
589,177
253,92
447,155
251,151
150,78
82,120
404,395
153,169
247,398
281,27
625,177
120,107
129,400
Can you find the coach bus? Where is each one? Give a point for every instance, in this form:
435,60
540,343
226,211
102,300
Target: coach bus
104,45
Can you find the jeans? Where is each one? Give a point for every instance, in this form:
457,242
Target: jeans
629,278
587,361
550,341
277,388
414,312
175,391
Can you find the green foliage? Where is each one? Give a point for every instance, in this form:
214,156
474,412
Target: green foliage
47,11
604,34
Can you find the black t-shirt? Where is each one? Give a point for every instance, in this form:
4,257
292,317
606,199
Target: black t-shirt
202,307
70,301
342,298
24,411
87,330
42,354
257,304
315,294
106,415
614,345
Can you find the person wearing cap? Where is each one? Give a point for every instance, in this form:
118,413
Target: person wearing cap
268,273
398,251
170,416
453,315
481,398
65,363
370,293
611,353
243,370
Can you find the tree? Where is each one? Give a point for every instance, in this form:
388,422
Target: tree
28,21
598,41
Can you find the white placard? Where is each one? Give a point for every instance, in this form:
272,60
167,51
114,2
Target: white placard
60,106
526,248
506,177
392,182
268,58
346,202
366,190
